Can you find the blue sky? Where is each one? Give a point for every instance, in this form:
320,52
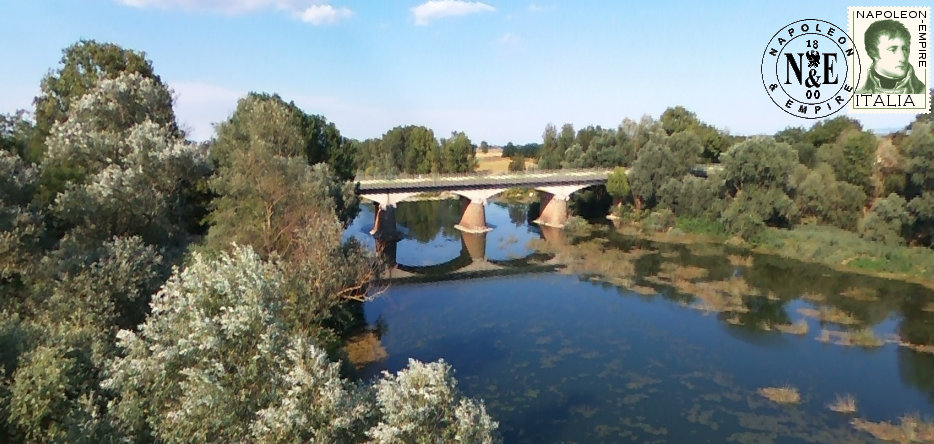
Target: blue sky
498,70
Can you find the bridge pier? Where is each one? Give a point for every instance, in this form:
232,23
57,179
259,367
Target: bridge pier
386,249
475,243
473,205
473,219
554,236
554,210
384,227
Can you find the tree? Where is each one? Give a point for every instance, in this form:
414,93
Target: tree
175,373
550,154
484,148
888,221
820,196
852,157
128,173
517,163
760,161
509,150
422,405
84,65
919,154
828,131
15,133
458,155
617,184
678,119
654,166
758,174
266,200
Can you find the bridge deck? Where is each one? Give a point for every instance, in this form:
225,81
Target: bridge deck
437,182
441,182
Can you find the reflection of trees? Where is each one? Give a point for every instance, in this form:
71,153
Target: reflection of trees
763,311
517,213
424,220
917,369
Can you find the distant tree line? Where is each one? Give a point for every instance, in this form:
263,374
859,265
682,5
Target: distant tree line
415,150
833,173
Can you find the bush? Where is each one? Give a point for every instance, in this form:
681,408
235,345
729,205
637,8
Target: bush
888,221
517,163
661,220
576,224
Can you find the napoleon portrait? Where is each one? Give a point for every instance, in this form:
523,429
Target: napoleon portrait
888,44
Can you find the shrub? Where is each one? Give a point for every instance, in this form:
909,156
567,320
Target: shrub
661,220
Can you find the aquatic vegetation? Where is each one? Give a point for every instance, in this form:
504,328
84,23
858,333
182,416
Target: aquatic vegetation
634,398
584,410
861,294
843,404
643,290
829,314
863,337
783,395
813,297
911,428
798,328
740,261
638,381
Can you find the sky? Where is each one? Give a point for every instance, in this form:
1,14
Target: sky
498,70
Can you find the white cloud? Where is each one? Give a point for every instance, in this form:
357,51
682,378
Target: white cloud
322,14
539,8
231,6
317,12
510,38
436,9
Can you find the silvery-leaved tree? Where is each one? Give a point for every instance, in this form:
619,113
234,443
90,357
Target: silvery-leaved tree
129,172
216,363
422,405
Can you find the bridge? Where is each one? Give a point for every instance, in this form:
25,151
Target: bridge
471,263
554,187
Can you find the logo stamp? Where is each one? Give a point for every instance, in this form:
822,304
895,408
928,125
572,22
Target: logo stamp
894,43
808,68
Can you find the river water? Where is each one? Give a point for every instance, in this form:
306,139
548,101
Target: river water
604,338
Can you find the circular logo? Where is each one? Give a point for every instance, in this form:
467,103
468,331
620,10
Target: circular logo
808,68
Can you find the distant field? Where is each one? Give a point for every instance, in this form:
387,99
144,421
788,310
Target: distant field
495,163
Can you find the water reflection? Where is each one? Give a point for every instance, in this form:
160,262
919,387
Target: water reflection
624,339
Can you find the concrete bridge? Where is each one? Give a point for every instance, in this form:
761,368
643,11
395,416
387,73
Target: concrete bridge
471,263
554,187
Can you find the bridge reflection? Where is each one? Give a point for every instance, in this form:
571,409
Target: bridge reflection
471,263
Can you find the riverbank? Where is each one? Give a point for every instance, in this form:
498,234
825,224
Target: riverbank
833,247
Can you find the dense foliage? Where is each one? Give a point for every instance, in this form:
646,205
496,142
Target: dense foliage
834,173
153,289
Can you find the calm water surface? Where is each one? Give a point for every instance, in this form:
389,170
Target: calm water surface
601,349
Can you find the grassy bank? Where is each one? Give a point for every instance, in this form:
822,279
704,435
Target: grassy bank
840,249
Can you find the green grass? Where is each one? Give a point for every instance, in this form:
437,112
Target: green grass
836,247
823,244
701,226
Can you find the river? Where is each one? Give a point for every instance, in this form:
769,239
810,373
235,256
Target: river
604,338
